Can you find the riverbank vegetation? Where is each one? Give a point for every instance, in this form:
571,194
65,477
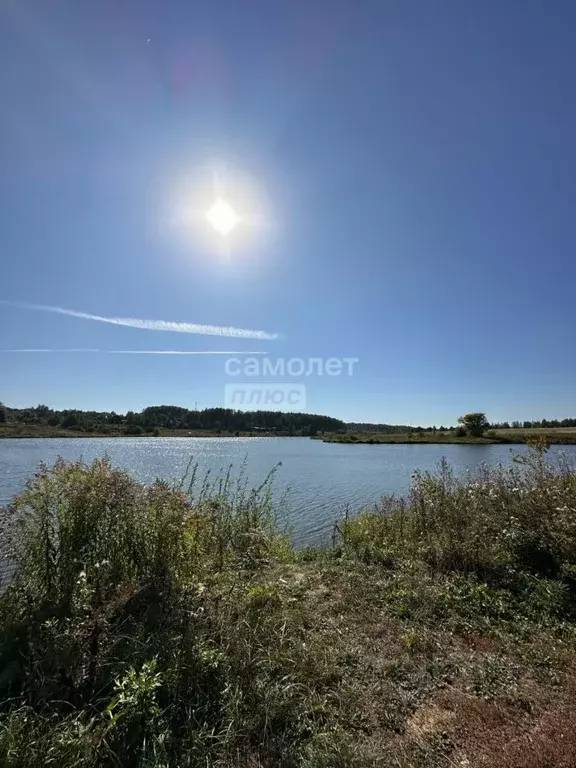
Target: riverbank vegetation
16,430
176,626
472,428
550,424
562,436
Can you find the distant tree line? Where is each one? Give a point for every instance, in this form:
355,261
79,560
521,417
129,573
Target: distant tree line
393,429
542,424
386,429
403,428
173,417
227,420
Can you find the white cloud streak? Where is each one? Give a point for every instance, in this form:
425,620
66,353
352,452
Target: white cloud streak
152,325
135,351
177,352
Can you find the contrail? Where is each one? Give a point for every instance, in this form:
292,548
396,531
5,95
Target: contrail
138,351
176,352
152,325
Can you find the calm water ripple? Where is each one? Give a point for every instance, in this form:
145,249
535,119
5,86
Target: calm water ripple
322,479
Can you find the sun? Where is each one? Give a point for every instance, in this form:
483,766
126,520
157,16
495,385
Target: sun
222,217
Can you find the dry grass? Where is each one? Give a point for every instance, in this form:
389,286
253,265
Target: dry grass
490,734
421,695
536,432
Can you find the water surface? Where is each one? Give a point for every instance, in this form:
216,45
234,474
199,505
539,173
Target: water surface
322,479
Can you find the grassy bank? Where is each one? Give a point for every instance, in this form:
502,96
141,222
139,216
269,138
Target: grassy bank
560,436
44,430
161,626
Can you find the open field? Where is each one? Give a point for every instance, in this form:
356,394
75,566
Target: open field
171,626
543,430
558,436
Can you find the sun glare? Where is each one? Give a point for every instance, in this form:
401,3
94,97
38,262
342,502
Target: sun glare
222,217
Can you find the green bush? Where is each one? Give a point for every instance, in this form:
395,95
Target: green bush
521,517
133,631
133,429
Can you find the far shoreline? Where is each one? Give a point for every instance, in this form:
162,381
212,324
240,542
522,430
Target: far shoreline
558,436
46,433
501,437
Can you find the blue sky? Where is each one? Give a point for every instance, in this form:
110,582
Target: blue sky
406,174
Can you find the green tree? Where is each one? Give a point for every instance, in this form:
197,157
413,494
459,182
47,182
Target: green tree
2,413
474,423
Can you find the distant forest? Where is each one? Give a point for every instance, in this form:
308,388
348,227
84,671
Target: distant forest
173,417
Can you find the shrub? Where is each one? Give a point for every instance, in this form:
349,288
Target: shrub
133,429
134,631
522,517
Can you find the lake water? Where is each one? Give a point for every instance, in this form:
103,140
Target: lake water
321,479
